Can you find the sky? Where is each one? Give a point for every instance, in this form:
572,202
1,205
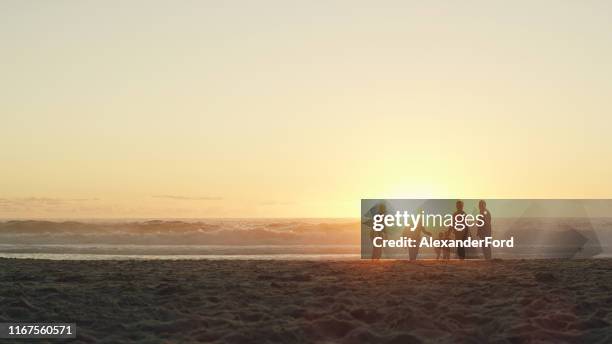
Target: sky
194,109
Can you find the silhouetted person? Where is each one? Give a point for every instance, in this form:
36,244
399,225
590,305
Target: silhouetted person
413,252
460,229
377,251
485,229
443,251
446,235
439,249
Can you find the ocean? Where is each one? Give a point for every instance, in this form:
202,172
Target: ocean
281,239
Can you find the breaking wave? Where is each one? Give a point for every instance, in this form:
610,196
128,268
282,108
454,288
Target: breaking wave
182,237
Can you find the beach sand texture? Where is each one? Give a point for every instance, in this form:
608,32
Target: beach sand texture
313,301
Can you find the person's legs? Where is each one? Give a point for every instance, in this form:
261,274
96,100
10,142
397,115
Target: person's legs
412,253
460,235
461,252
376,252
486,250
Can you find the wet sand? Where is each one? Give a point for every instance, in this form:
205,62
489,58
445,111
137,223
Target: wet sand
310,301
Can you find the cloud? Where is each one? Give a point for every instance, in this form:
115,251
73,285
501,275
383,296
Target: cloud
186,198
276,203
42,201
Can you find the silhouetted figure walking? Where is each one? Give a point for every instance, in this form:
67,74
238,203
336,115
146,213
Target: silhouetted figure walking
460,228
413,252
443,252
485,229
446,250
377,251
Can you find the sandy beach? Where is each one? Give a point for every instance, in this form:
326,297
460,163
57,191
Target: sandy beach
326,302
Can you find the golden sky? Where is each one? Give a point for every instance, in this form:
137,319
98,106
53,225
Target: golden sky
298,109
